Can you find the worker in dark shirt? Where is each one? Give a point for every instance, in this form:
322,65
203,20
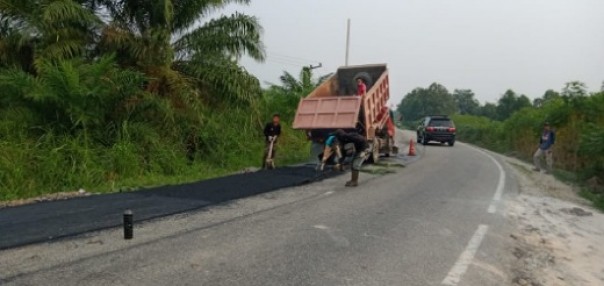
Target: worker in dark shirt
546,144
272,131
360,154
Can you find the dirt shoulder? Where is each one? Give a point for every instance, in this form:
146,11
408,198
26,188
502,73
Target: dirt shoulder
558,236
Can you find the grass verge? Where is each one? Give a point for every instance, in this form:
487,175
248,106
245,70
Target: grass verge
595,198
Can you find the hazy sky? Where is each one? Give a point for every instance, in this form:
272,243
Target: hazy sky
486,45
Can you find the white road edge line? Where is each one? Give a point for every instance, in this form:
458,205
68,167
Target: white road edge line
500,185
466,257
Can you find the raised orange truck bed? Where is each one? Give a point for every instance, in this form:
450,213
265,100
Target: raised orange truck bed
335,104
328,112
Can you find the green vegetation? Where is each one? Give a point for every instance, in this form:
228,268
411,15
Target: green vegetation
596,198
513,125
111,95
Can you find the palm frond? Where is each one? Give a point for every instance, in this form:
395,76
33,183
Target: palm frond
188,12
225,79
233,35
289,82
57,12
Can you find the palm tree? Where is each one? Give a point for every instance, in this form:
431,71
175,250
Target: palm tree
164,39
301,86
34,30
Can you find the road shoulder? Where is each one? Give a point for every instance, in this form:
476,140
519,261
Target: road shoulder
558,237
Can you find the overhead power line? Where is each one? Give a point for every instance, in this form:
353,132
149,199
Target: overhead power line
292,58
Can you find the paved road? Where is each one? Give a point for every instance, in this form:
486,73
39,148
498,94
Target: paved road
436,222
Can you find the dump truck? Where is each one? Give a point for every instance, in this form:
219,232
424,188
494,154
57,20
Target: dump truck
335,104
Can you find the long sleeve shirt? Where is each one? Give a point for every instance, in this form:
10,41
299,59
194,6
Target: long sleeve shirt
272,130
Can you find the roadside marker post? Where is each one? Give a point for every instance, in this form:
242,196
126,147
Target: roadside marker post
128,224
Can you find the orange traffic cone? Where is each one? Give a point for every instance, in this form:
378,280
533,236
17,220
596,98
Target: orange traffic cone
411,148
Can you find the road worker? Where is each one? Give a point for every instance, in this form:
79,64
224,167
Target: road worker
546,143
272,131
361,87
361,153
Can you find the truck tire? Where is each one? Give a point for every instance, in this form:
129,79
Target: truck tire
366,77
374,157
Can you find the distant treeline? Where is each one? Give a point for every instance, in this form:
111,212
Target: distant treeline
513,124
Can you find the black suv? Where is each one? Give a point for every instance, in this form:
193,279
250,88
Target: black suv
436,128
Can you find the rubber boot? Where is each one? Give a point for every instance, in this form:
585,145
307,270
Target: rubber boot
354,181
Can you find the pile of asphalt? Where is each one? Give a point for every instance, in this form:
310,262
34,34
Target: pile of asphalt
57,219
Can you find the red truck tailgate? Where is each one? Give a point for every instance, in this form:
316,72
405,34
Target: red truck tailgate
327,112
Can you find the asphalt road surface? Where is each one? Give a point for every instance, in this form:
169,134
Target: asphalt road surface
56,219
437,221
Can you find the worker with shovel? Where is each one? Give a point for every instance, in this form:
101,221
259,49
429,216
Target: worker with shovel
272,131
340,138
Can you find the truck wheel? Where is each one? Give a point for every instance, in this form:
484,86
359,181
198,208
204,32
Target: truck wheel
424,140
390,146
417,138
375,153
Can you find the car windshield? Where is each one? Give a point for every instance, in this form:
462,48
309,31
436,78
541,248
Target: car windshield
441,123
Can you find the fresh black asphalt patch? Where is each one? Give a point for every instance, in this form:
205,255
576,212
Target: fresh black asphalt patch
45,221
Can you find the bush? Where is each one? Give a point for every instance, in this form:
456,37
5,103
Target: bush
578,123
90,125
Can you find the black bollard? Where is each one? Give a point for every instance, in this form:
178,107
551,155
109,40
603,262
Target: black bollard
128,224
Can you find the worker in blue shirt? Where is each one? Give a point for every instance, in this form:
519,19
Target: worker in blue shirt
340,138
546,144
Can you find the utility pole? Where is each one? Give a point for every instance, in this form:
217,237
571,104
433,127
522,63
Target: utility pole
347,41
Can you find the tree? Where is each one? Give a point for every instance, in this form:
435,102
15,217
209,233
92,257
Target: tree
574,89
550,94
301,86
489,110
427,101
465,101
537,102
510,103
163,38
72,94
32,31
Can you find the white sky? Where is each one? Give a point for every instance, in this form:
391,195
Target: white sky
486,45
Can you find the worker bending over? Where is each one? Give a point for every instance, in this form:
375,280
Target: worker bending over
361,151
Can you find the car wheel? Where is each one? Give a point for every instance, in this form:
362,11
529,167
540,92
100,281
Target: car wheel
451,143
424,140
417,138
